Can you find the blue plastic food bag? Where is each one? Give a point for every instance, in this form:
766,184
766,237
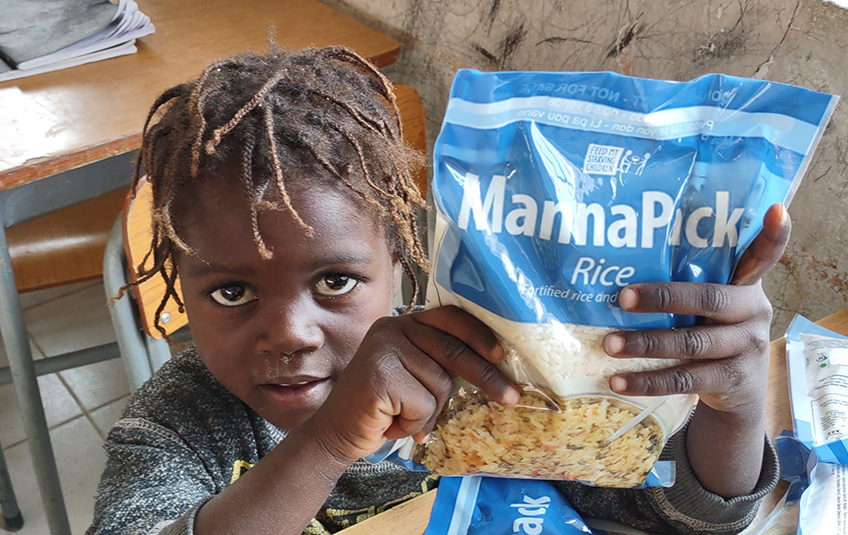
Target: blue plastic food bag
493,506
555,190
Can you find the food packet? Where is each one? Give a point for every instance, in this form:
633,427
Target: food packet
813,457
817,366
475,505
824,505
555,190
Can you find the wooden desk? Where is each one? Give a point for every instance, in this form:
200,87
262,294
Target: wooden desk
100,108
411,517
69,135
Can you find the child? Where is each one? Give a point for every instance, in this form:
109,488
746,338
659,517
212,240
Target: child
283,198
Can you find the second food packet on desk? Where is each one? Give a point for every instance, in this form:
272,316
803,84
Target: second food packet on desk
555,190
817,365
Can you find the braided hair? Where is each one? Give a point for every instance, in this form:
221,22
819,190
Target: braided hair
317,112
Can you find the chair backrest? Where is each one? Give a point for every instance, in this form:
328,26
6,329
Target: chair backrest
136,223
148,295
414,126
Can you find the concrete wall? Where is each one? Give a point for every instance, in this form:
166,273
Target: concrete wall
798,42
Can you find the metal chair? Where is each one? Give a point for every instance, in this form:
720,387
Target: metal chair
142,347
11,519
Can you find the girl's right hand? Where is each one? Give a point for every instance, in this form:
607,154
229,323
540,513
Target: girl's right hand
398,381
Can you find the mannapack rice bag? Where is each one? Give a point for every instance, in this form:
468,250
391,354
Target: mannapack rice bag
555,190
476,505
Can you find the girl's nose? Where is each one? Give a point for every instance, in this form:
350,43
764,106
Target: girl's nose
291,327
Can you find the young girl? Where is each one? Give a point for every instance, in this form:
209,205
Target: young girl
283,198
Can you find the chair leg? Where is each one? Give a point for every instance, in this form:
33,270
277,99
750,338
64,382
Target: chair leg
158,351
11,519
130,339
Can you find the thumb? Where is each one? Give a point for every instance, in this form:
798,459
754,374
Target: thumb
766,249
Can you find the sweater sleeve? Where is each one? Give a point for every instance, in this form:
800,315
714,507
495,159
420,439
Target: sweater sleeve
686,508
153,483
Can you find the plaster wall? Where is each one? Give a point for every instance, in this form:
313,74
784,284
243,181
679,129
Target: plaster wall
793,41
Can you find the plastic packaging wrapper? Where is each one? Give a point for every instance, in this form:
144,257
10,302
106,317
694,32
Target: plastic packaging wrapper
818,386
817,363
824,505
495,506
555,190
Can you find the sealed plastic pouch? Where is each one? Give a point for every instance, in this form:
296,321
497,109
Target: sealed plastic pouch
493,506
555,190
823,508
817,366
817,370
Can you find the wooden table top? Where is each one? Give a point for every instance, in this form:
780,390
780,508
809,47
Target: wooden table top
411,518
64,119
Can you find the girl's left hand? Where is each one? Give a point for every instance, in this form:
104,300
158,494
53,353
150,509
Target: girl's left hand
725,360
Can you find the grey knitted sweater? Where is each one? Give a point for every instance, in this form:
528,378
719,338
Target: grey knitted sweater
183,438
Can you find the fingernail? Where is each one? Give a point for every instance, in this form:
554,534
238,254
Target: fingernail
628,298
618,384
511,396
783,214
613,344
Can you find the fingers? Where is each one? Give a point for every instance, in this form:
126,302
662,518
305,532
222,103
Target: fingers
689,378
438,383
719,302
414,383
698,343
724,380
403,389
766,249
415,416
463,326
465,356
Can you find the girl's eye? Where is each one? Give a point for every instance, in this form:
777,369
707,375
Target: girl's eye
233,296
335,285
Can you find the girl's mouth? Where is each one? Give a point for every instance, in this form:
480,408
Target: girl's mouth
304,394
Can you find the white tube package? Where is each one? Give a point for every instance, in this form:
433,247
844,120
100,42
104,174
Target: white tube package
817,365
817,361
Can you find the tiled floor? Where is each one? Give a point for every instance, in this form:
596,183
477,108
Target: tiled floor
81,404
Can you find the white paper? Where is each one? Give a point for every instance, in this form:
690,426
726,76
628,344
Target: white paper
120,50
116,39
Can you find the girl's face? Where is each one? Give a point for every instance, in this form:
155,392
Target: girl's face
277,333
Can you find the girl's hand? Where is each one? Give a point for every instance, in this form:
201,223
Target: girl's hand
726,359
398,381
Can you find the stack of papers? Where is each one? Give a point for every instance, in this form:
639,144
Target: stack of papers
47,35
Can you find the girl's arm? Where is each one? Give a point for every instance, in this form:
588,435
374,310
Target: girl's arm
726,360
280,494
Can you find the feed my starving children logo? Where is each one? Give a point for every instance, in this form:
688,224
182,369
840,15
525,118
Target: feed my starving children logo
610,160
